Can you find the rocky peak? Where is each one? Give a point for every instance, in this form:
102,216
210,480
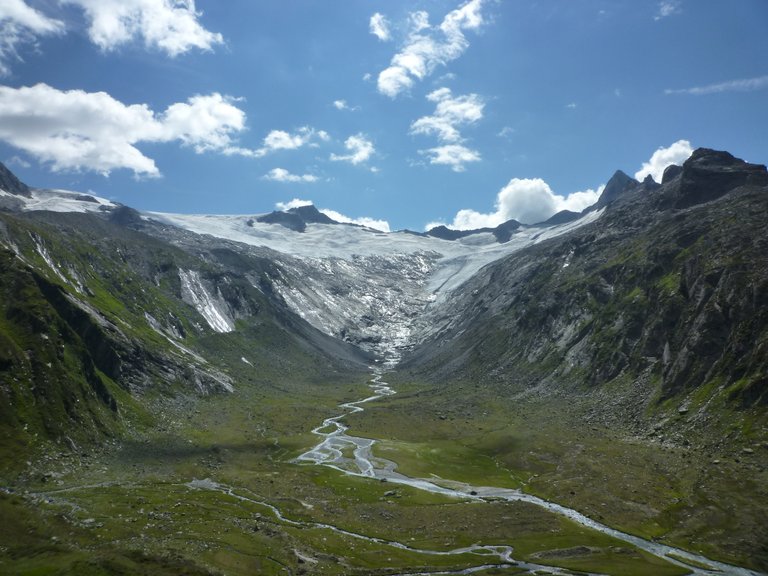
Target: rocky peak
311,215
10,183
708,175
617,186
296,219
671,172
502,232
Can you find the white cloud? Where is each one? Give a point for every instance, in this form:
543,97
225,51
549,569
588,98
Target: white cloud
360,150
343,105
381,225
295,203
428,47
204,122
77,130
527,200
168,25
677,153
571,105
18,161
506,132
453,155
379,27
282,140
668,8
449,113
21,24
743,85
283,175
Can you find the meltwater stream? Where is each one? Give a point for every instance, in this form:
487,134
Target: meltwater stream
354,456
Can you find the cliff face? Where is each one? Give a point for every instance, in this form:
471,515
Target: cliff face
668,288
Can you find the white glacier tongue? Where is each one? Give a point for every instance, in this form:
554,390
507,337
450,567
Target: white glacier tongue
364,286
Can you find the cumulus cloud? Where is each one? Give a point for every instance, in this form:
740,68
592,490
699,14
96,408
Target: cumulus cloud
743,85
379,27
169,25
381,225
454,155
77,130
360,150
295,203
527,200
428,47
281,140
20,24
677,153
450,114
283,175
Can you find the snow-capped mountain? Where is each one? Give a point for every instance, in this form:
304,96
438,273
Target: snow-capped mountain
367,287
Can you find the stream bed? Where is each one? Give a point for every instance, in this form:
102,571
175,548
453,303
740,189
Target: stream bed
354,456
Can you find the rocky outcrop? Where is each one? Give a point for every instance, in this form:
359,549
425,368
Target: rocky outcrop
296,219
708,175
616,187
503,232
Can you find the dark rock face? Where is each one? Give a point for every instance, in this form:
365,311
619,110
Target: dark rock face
125,216
561,217
311,215
708,175
502,232
289,220
11,184
670,173
616,187
296,219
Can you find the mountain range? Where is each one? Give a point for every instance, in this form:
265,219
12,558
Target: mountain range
614,361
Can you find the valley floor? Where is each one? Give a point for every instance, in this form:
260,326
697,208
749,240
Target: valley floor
216,489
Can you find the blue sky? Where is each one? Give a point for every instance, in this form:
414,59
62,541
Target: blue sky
407,113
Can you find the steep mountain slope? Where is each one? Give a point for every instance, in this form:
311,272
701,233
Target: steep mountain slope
672,281
97,319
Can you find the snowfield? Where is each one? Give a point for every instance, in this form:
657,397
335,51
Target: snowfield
364,286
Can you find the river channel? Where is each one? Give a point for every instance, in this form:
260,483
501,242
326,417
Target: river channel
354,456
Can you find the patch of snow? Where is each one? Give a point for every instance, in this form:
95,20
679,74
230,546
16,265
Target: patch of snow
43,251
212,308
65,201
